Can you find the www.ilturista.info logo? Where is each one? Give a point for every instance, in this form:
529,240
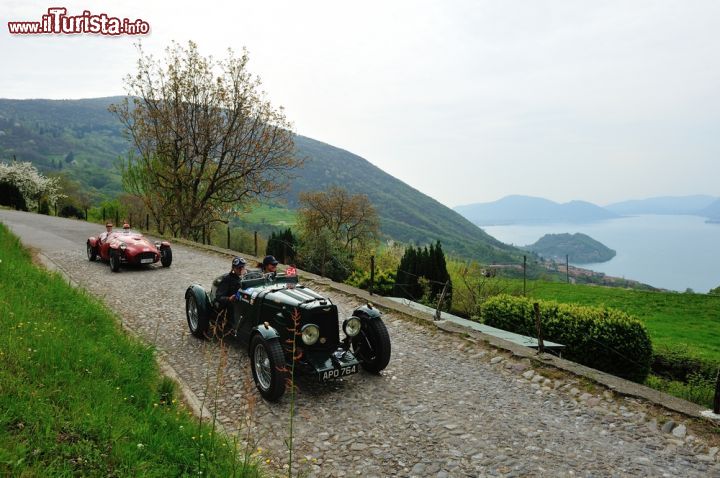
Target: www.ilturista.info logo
57,21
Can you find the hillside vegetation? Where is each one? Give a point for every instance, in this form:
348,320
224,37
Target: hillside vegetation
81,138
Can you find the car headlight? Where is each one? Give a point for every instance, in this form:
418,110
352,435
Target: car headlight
352,326
310,334
123,246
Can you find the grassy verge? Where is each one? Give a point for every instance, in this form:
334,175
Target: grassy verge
80,398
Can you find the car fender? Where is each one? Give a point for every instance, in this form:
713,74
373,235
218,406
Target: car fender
267,332
367,312
93,241
164,244
201,298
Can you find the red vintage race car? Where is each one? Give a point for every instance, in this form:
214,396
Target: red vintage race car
128,247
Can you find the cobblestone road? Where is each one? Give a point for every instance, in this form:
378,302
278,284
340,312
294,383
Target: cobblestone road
443,407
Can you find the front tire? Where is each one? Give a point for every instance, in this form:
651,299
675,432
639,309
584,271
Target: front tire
372,345
197,321
91,252
268,367
166,256
114,261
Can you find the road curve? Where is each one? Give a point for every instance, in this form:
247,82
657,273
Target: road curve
444,406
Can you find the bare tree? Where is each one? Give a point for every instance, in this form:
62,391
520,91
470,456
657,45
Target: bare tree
334,225
350,219
206,139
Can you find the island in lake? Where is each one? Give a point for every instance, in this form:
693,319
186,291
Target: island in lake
581,248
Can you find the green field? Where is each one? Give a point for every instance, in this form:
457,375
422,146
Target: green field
267,214
671,318
78,397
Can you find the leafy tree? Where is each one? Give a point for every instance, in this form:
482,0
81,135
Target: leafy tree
205,137
69,158
283,246
715,291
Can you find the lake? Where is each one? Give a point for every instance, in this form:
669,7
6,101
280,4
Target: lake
671,252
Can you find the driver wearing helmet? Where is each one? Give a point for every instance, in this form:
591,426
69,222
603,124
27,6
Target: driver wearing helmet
108,231
229,284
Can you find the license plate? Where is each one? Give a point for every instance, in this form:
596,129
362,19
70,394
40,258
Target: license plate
339,372
146,261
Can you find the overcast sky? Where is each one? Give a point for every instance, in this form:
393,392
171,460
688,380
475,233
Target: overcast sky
467,101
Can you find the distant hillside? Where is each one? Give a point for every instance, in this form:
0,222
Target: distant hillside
712,212
82,138
532,210
581,248
77,136
693,205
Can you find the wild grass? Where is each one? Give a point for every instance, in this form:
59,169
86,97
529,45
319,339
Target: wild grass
78,397
697,389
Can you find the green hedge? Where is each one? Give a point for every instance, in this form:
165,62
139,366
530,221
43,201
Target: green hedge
679,364
605,339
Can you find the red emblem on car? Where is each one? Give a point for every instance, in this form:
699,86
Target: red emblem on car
291,272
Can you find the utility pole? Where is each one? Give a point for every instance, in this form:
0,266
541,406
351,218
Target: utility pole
567,268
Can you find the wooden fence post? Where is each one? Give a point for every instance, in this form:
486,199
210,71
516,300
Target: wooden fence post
440,301
541,345
716,401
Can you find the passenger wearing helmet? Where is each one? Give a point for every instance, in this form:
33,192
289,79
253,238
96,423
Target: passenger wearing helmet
229,284
269,264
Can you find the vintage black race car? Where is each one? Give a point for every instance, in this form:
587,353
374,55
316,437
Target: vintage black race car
273,313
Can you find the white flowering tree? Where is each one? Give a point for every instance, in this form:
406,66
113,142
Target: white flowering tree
31,184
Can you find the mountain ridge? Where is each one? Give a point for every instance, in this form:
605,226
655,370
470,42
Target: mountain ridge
83,139
681,205
517,209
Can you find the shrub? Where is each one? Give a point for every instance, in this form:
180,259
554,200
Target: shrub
44,207
71,211
384,281
605,339
10,195
678,364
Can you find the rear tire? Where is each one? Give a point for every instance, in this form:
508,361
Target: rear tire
91,252
114,261
372,345
268,367
166,256
197,320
